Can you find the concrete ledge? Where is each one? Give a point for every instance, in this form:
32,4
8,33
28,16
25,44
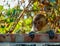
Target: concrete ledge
26,38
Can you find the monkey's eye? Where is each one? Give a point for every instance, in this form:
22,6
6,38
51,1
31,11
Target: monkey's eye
38,22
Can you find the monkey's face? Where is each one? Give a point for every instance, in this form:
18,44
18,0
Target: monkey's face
40,22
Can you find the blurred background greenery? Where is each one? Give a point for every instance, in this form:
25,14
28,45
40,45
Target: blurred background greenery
8,15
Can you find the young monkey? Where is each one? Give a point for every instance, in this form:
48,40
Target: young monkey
41,25
39,21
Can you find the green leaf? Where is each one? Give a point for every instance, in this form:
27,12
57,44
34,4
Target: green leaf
1,7
35,6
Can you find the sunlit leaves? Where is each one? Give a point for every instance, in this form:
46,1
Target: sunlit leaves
2,17
10,12
28,21
17,28
58,30
35,6
10,25
25,23
1,7
23,26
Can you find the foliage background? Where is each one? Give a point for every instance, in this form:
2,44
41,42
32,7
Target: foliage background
8,15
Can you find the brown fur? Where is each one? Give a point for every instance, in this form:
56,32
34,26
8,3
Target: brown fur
39,21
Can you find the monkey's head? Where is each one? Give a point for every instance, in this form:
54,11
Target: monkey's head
39,21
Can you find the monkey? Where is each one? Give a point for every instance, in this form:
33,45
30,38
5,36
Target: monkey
39,21
38,25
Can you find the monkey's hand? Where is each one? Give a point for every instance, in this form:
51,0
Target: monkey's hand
51,34
32,35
